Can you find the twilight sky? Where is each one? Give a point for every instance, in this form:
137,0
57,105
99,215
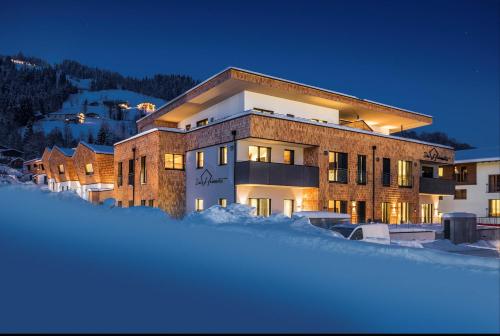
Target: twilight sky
435,57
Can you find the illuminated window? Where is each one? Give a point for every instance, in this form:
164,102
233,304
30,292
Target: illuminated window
337,167
223,202
337,206
386,212
361,172
200,160
258,153
223,155
494,208
440,171
89,169
202,122
198,205
289,157
61,169
174,161
261,205
403,212
405,177
288,207
426,212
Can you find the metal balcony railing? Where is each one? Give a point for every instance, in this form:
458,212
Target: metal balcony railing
271,173
436,186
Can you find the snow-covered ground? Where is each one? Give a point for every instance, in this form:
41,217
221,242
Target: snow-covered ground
95,104
67,265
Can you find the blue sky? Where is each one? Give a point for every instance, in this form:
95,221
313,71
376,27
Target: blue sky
435,57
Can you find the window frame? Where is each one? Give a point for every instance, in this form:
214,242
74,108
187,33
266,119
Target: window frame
200,160
143,173
292,156
223,156
340,163
174,156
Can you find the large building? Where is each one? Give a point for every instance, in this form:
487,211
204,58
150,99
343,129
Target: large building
477,176
281,147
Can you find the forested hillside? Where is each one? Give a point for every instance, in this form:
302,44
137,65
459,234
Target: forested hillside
30,88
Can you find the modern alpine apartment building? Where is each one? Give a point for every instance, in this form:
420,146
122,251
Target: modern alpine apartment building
281,147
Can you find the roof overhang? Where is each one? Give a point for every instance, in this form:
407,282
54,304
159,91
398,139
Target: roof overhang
232,81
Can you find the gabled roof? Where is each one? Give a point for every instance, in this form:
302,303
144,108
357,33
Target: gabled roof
99,149
65,151
484,154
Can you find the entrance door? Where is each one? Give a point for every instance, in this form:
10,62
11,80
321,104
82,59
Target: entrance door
361,212
426,211
288,207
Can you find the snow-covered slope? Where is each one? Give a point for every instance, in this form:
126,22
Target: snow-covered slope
70,266
92,103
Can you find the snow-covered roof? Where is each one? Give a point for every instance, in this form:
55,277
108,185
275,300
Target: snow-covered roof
99,149
484,154
32,160
66,151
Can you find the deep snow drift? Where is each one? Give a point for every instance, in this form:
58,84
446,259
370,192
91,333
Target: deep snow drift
67,265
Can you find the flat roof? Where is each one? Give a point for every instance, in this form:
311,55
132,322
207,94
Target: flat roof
233,80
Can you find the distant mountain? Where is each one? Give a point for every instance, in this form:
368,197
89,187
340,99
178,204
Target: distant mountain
33,92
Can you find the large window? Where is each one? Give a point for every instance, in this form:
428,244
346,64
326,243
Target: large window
386,172
89,169
361,172
386,212
143,171
258,153
174,161
337,167
494,183
120,174
131,172
198,205
261,205
337,206
426,211
494,208
289,156
460,194
200,160
223,155
60,168
403,212
405,177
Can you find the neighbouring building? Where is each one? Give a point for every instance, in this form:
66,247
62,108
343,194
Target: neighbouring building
94,168
36,169
11,157
62,171
281,147
477,176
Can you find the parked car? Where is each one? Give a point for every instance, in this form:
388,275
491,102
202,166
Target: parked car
340,225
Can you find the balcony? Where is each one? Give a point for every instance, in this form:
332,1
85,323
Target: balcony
436,186
270,173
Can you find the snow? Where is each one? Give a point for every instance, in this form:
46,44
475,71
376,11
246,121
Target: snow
99,149
75,104
68,265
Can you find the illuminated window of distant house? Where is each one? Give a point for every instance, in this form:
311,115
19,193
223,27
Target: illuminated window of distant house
89,169
494,208
223,202
198,204
223,155
174,161
200,160
61,169
289,156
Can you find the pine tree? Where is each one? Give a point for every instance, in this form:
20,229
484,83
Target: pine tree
90,137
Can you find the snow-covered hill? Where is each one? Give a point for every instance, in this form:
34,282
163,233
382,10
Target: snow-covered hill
117,108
